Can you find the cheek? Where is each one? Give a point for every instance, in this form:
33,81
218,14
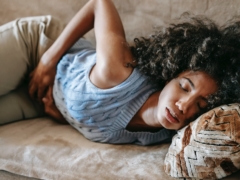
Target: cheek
170,91
164,96
168,88
166,99
168,96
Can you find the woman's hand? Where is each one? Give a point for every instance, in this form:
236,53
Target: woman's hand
42,77
50,107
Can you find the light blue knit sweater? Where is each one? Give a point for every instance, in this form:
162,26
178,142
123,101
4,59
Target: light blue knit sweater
101,114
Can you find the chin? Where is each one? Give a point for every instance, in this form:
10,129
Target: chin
167,125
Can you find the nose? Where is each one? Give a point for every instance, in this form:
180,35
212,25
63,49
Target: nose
184,104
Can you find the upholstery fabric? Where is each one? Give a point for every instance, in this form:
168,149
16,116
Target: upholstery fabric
209,147
43,149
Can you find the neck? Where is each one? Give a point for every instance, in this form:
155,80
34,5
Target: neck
146,118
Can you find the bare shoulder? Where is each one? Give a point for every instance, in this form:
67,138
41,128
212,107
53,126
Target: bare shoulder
114,65
112,52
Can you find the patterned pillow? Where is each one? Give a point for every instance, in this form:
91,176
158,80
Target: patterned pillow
209,147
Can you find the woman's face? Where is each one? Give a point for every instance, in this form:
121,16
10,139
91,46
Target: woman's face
183,97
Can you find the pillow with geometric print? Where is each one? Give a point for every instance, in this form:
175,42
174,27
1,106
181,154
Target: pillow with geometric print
209,147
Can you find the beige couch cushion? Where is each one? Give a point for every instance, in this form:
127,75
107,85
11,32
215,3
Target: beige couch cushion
44,149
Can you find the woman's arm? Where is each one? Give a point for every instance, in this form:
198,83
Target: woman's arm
80,24
112,52
43,76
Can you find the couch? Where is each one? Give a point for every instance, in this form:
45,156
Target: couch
43,149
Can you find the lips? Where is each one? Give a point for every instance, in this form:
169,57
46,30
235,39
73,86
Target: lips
171,117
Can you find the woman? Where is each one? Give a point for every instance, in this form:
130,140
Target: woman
121,94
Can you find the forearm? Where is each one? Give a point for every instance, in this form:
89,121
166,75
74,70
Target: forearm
102,11
80,24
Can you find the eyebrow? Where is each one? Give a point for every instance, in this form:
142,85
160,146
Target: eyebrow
191,83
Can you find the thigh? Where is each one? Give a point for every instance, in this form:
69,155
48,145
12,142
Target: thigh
22,43
17,105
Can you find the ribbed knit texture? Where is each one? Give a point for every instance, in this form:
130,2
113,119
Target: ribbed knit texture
101,114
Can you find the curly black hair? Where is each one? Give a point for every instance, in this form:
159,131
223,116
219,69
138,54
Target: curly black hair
197,44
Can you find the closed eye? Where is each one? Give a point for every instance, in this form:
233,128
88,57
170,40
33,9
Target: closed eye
183,87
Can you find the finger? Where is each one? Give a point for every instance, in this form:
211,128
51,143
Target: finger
48,94
31,74
44,100
46,110
41,92
50,89
45,104
32,91
47,99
